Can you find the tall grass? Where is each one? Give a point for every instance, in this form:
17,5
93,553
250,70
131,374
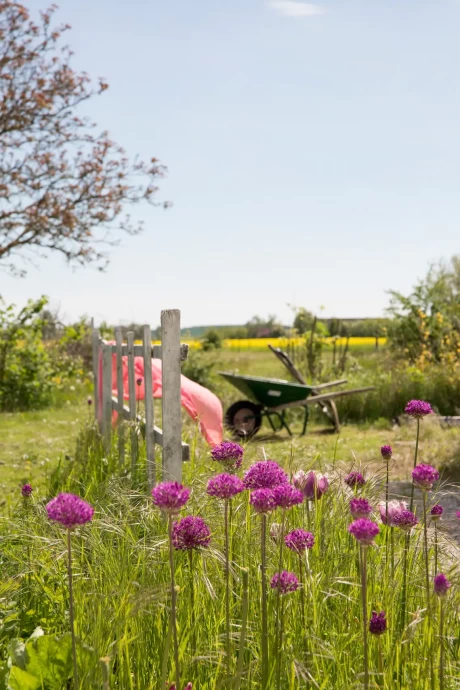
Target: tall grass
122,589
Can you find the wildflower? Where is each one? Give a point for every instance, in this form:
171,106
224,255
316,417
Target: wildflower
377,623
418,409
424,476
315,485
286,496
364,531
299,479
405,520
225,486
190,533
89,401
360,508
285,582
299,540
458,514
386,452
441,584
139,382
26,490
69,510
229,454
436,511
265,475
170,496
263,500
275,532
395,508
355,479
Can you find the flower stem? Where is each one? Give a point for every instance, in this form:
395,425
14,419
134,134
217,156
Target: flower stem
415,462
278,597
435,547
173,602
392,549
244,624
364,605
279,646
227,593
192,601
380,661
264,604
71,612
425,539
404,587
441,640
386,513
302,592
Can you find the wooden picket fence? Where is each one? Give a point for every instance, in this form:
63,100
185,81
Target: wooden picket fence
172,353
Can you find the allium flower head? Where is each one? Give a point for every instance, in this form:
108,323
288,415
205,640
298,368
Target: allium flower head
299,540
377,623
285,582
458,514
441,584
395,508
355,479
139,382
405,520
364,531
69,510
315,485
263,500
424,476
360,508
265,475
436,511
190,533
26,490
229,454
170,496
386,452
225,486
286,496
418,408
89,401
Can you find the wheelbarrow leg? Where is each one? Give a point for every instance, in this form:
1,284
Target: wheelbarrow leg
305,421
283,422
268,415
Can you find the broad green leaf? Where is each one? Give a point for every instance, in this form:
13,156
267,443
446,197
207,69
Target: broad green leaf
21,680
49,659
17,651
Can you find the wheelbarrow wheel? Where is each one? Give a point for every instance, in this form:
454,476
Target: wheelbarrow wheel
243,419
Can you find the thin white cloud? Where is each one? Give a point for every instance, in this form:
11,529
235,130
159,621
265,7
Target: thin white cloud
295,8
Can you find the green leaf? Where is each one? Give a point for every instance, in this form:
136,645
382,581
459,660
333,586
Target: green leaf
49,659
21,680
17,651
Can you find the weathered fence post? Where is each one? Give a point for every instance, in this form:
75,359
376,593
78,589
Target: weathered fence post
106,395
149,408
120,395
132,399
95,338
171,396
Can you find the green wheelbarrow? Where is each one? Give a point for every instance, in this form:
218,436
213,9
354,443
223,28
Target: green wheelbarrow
271,398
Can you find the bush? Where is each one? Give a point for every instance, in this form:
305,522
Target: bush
198,368
211,340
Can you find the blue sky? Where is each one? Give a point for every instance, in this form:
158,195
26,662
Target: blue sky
313,154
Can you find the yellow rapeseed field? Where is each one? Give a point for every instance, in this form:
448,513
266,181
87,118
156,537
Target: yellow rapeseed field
285,343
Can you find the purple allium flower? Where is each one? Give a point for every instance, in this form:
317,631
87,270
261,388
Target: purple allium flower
364,531
354,479
395,508
299,540
69,510
458,514
377,623
285,582
405,520
225,486
286,496
263,500
229,454
441,584
360,508
170,496
275,532
89,401
436,511
418,408
26,490
265,475
315,485
424,476
139,382
190,533
386,452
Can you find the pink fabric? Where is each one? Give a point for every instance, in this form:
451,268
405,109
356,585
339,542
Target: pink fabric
202,405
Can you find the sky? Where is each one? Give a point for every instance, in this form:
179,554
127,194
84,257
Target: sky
313,155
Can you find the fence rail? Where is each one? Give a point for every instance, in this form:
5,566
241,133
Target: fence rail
169,438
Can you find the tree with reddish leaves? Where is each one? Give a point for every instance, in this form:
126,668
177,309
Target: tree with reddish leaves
63,187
